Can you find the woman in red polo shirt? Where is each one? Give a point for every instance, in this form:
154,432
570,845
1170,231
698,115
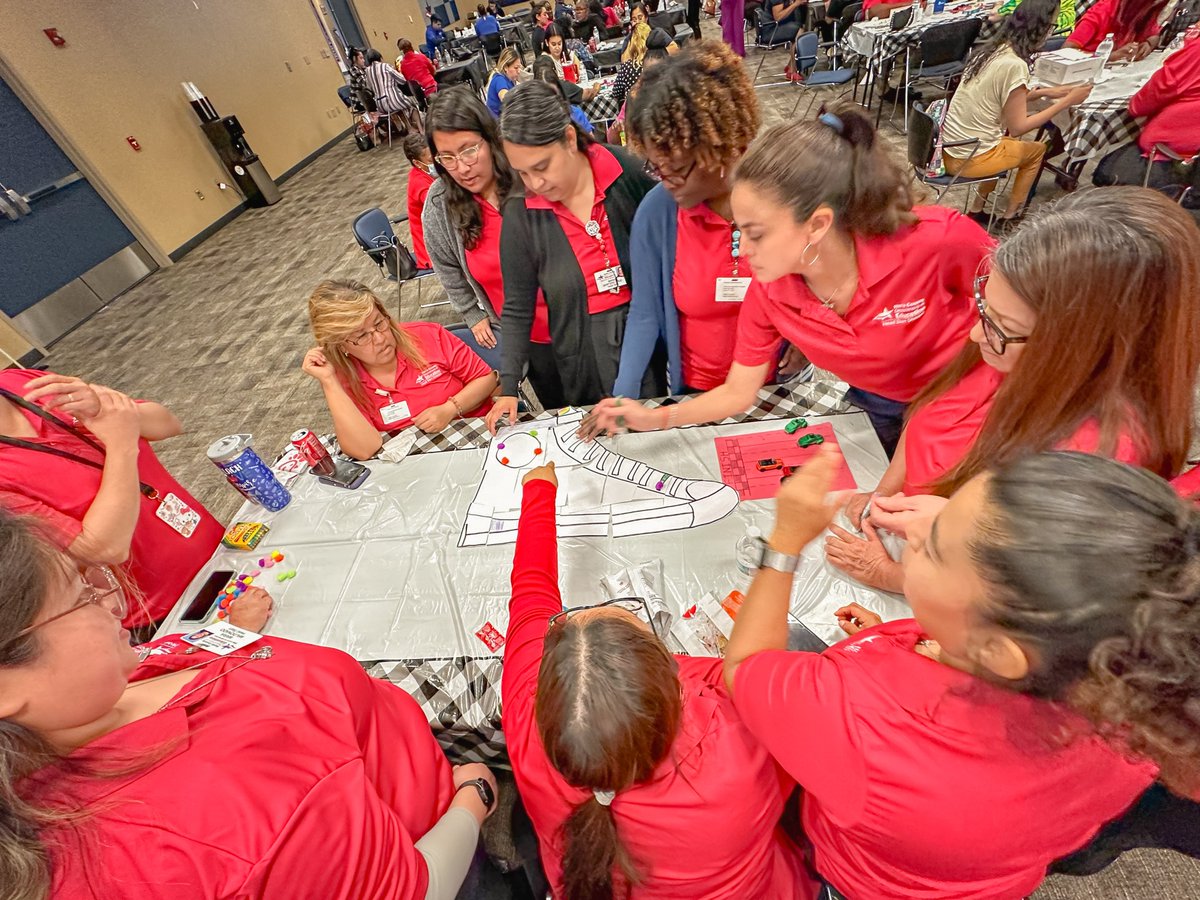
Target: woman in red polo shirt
78,457
416,67
631,763
845,268
462,228
1133,24
1065,355
920,777
693,118
277,771
381,376
568,237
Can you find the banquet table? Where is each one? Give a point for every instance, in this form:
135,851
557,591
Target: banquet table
603,108
1104,121
379,573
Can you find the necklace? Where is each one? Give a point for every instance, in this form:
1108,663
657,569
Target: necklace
829,301
261,653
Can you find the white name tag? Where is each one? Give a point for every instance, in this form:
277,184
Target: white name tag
178,515
611,279
732,290
221,638
395,412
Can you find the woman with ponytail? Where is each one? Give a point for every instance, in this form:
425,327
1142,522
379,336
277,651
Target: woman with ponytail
1065,354
640,780
845,268
280,770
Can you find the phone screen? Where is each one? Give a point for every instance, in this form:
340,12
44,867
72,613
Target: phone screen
202,602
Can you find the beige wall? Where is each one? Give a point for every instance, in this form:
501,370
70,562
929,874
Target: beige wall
119,75
385,21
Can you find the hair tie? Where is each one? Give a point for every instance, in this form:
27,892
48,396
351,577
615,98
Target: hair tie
604,798
834,122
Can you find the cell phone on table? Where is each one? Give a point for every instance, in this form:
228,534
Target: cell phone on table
801,637
346,474
202,601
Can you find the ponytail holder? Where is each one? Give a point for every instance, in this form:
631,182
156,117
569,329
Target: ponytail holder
834,122
604,798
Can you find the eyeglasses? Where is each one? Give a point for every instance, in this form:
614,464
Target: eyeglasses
359,339
467,156
673,177
992,333
100,588
635,605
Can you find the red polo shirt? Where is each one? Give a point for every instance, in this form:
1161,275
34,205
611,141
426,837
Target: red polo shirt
922,781
1188,485
707,328
419,183
483,261
704,825
941,432
1100,20
419,68
909,317
449,366
1170,101
296,777
60,492
593,254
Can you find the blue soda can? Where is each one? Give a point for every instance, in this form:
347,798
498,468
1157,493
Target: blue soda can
939,6
246,471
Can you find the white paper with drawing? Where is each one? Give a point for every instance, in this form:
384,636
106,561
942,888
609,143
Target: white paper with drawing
599,491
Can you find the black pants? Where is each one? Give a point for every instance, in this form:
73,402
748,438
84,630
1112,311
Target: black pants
1159,820
693,17
886,415
543,375
1126,165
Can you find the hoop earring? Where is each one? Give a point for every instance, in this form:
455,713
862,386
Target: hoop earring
813,261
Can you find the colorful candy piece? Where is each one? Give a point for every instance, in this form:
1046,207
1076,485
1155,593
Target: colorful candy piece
224,603
268,563
282,576
795,425
263,562
809,440
255,573
499,446
504,461
537,451
277,556
658,486
533,434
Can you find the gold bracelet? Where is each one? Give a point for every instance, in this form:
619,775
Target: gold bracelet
457,408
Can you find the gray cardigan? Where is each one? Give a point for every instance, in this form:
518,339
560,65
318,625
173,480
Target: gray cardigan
449,259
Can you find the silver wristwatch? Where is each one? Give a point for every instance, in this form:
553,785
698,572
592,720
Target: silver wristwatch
773,559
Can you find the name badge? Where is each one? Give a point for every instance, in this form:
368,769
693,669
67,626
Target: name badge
221,638
732,290
178,515
611,279
430,374
395,412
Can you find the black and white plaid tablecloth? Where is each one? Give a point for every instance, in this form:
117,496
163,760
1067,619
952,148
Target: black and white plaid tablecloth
1098,126
603,107
889,44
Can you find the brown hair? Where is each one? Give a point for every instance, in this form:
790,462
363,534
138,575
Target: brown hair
700,100
336,310
1112,276
837,161
405,45
608,707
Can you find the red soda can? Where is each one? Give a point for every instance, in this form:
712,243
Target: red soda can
314,452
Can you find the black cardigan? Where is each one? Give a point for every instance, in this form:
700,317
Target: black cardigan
535,253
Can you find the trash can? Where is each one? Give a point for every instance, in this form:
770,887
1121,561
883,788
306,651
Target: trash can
245,168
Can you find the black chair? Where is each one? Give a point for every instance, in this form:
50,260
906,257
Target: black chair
1186,192
807,46
418,94
373,233
944,51
769,34
493,44
922,144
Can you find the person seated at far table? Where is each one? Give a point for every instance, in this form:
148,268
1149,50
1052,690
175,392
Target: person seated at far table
485,22
1133,24
503,79
1170,104
881,9
1064,23
931,763
543,18
589,21
379,375
1064,356
416,67
330,784
566,62
991,106
544,70
435,35
420,179
79,458
624,754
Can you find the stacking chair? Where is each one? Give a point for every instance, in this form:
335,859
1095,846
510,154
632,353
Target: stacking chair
768,36
1187,192
418,94
944,52
922,144
373,232
493,44
807,46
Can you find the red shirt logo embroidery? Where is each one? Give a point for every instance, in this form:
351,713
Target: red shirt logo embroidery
901,313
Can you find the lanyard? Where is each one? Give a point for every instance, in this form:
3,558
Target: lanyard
149,492
735,247
595,228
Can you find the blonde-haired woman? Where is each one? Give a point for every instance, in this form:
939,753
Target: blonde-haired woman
504,79
644,42
381,376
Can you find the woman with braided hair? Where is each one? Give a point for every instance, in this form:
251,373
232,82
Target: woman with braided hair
692,119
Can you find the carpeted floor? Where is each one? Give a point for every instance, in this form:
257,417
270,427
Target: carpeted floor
219,339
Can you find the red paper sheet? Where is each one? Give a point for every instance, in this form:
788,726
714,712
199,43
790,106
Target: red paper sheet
739,456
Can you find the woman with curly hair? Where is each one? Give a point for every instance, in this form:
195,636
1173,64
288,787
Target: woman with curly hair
692,119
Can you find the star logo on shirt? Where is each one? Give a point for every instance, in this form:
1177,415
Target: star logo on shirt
885,316
857,646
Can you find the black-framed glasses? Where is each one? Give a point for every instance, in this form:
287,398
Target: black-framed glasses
451,161
359,339
635,605
673,177
993,333
100,588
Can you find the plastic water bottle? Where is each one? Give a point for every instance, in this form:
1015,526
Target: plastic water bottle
749,550
916,12
1104,51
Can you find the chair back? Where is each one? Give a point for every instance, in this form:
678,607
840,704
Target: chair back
948,43
806,52
852,12
493,43
900,18
922,137
491,355
418,94
345,95
373,232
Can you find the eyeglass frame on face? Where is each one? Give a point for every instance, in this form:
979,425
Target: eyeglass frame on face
988,324
676,178
466,156
372,330
616,601
90,595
